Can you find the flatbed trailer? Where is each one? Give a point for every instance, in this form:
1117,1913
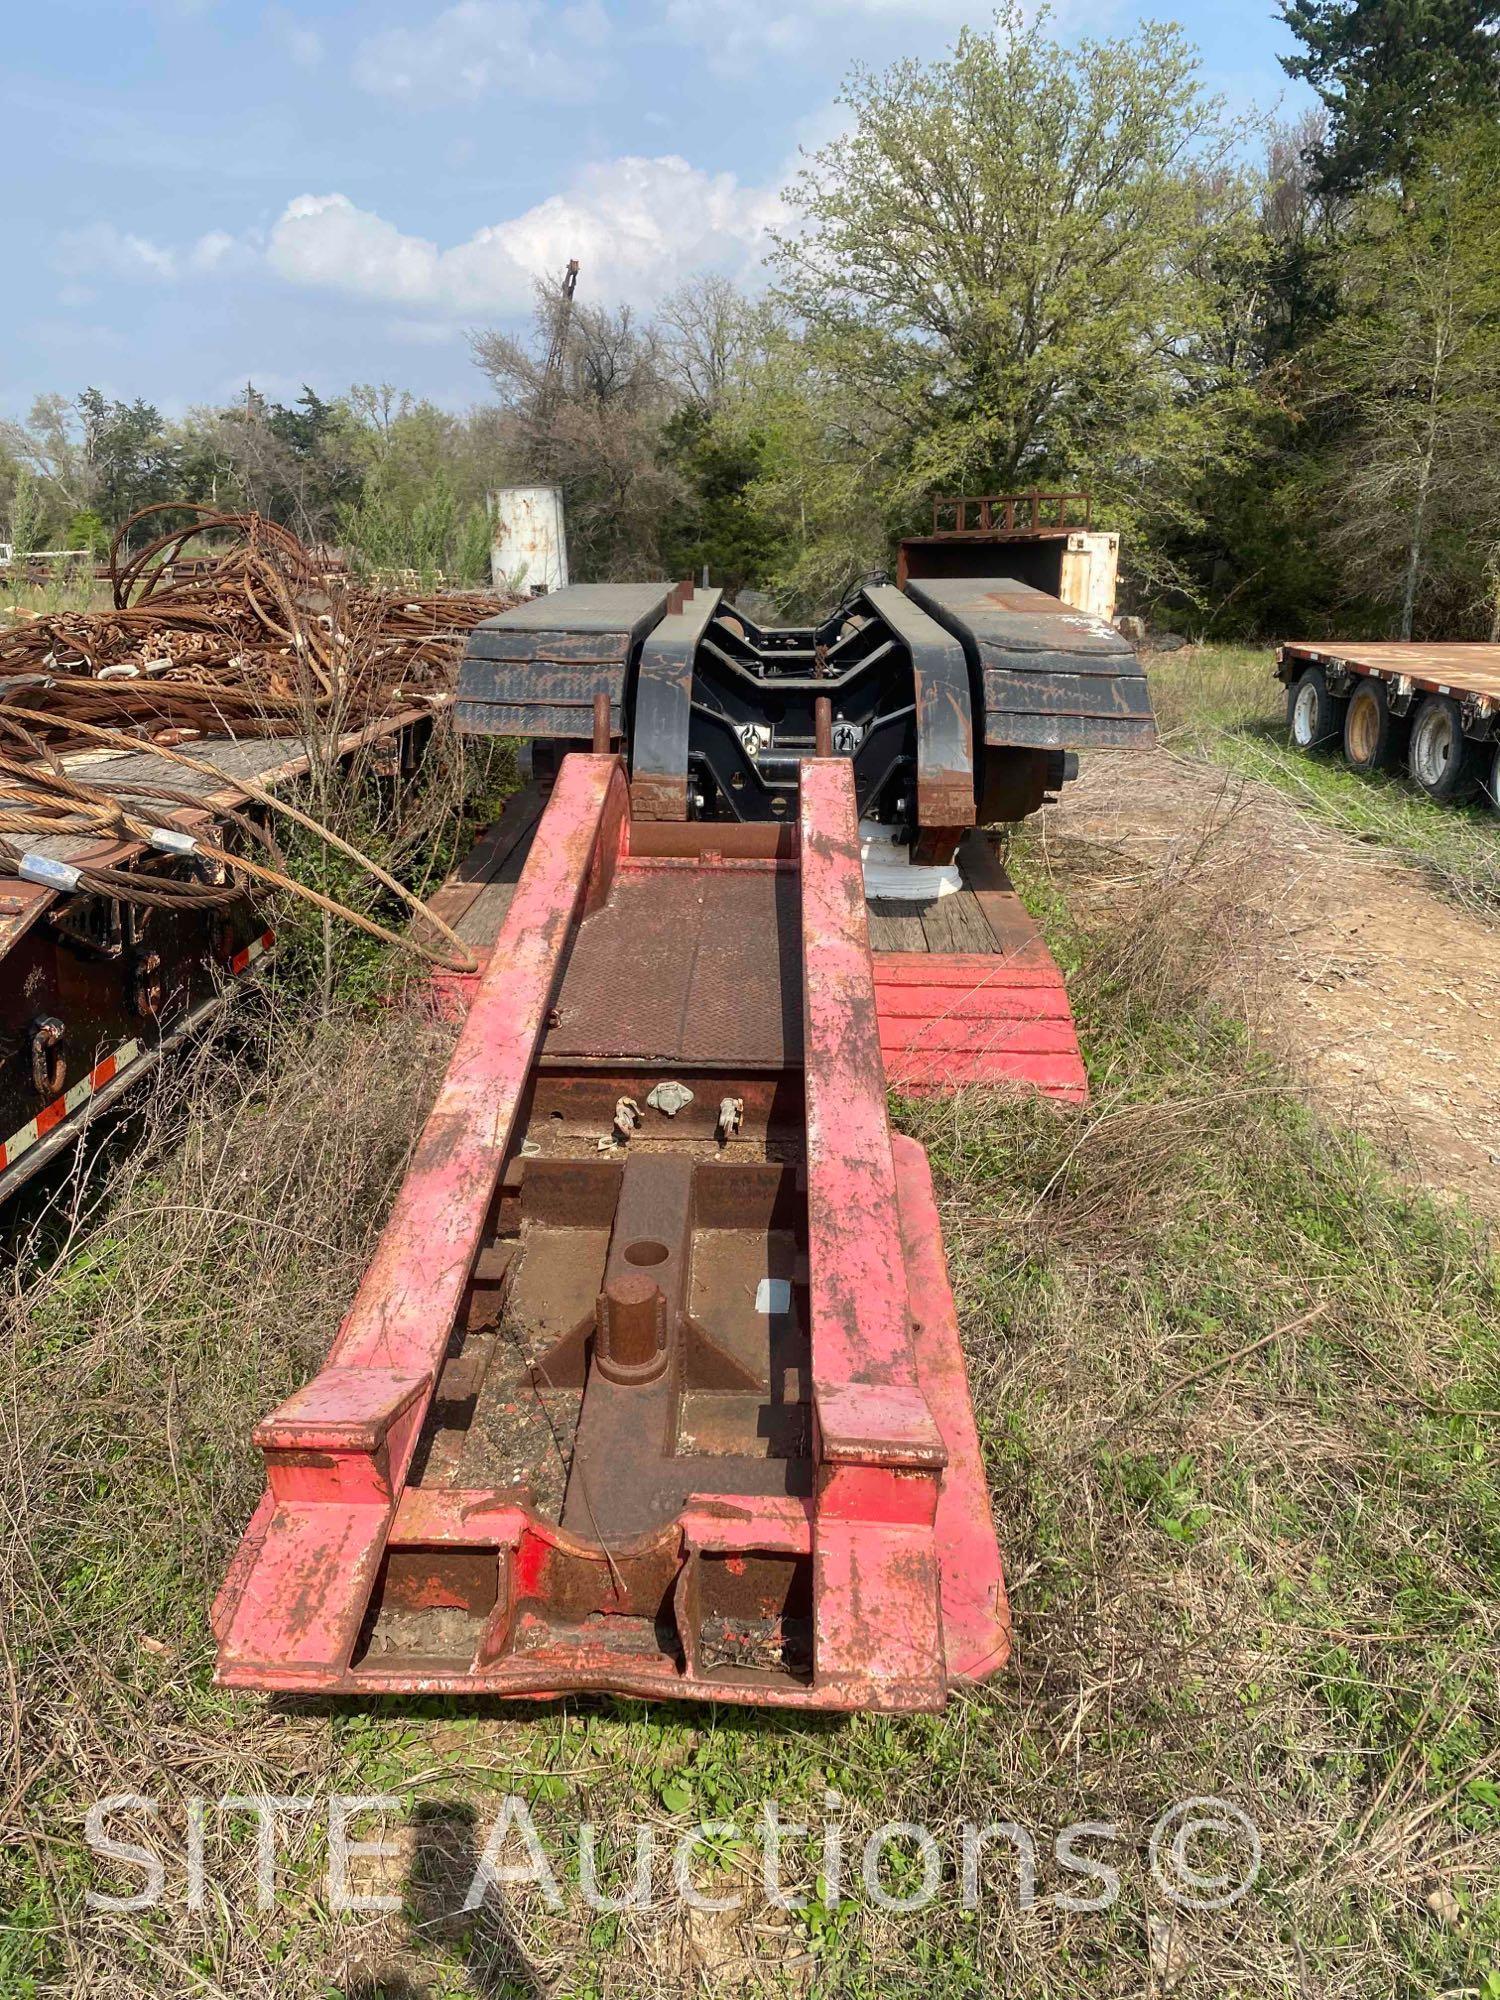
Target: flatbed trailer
1434,709
94,990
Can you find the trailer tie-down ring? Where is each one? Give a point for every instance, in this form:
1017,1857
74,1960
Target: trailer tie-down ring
49,1066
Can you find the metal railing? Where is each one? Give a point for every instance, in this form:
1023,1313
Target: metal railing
1013,514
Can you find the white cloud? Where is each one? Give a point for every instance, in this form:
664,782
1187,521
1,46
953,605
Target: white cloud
482,46
324,241
736,37
102,250
219,251
637,226
298,40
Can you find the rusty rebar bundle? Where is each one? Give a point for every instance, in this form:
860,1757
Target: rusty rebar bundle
39,796
251,634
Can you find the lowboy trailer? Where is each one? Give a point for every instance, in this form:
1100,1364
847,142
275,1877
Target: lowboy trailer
654,1382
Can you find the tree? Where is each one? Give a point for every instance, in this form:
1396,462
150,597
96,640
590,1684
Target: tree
719,520
1008,260
92,455
1301,227
298,464
1392,74
585,401
131,459
828,461
26,516
1243,543
708,331
1412,364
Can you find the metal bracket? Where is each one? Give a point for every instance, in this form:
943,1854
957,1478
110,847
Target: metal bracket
663,709
945,709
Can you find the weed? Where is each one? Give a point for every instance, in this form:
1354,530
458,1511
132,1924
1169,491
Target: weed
1236,1387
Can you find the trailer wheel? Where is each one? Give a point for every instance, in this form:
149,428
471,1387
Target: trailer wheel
1373,737
1492,789
1443,764
1314,715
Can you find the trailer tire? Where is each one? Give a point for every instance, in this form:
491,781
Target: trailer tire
1314,714
1373,737
1492,788
1442,762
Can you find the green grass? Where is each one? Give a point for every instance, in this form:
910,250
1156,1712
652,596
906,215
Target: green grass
1237,1389
72,588
1224,702
417,827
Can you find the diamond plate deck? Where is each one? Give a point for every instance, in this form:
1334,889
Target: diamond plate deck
687,966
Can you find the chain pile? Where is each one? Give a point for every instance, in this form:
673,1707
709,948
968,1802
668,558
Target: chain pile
250,635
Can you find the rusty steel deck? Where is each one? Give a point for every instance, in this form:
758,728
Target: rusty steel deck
965,988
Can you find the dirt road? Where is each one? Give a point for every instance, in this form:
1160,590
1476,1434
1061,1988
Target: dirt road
1373,983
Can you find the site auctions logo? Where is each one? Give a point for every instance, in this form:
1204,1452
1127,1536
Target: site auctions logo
1197,1823
1203,1853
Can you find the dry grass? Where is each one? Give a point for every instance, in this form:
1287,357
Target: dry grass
154,1310
1237,1390
73,587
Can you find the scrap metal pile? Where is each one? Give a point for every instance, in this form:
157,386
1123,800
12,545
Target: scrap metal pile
251,635
144,750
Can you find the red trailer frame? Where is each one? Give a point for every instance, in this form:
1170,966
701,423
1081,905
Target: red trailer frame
875,1533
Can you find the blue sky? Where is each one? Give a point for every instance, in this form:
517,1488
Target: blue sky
219,190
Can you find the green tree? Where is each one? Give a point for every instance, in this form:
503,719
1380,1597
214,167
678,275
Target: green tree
1014,263
430,535
132,459
27,513
830,458
1412,366
298,464
719,521
1248,544
1392,74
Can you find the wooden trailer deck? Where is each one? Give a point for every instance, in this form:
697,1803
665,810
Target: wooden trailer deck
1460,669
